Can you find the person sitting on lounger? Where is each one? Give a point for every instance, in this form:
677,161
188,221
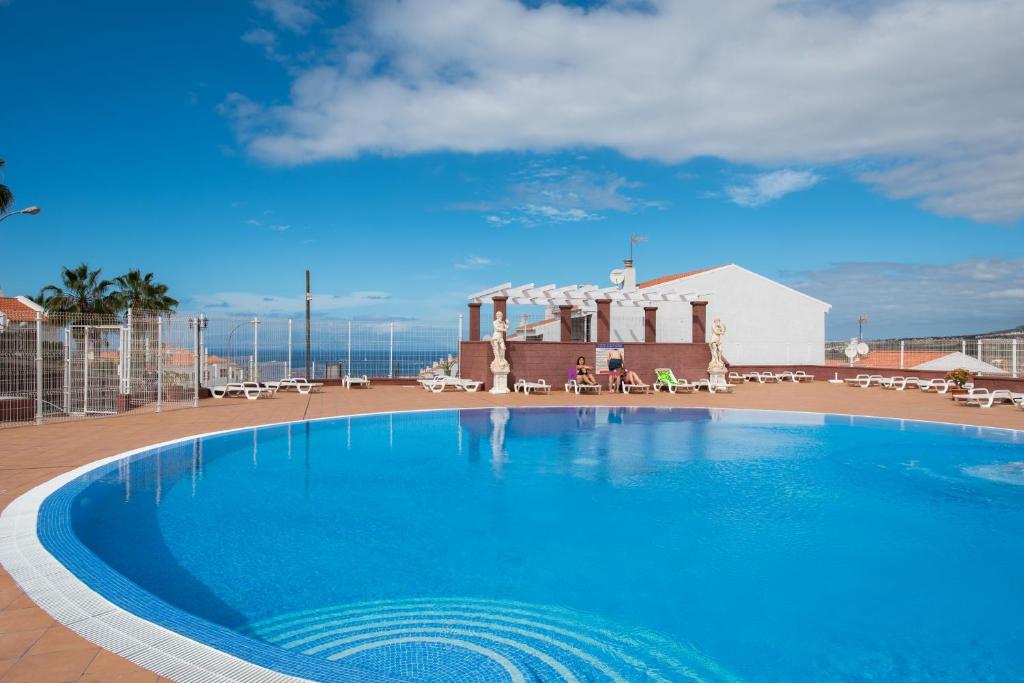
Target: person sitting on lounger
630,377
584,373
614,369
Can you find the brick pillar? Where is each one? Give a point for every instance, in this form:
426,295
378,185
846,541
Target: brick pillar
604,320
474,322
565,315
650,324
700,319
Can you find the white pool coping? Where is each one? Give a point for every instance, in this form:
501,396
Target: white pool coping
172,655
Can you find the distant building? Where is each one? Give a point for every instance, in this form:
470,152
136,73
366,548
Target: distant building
18,309
767,322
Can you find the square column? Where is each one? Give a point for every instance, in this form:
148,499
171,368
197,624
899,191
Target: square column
500,304
700,319
604,320
565,316
650,324
474,322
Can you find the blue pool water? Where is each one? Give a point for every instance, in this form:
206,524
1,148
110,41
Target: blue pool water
584,544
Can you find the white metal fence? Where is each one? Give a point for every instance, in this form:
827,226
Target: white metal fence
987,356
71,366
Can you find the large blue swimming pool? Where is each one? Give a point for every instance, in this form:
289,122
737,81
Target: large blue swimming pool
584,544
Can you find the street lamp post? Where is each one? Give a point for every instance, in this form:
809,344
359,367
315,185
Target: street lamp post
861,319
28,211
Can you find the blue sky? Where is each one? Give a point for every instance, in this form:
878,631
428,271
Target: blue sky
411,153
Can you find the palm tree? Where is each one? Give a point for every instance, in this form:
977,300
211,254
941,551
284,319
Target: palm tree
81,291
140,292
6,196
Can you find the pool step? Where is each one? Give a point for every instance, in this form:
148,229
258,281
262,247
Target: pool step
442,639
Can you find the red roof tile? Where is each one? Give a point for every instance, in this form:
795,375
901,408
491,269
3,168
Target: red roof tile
16,311
678,276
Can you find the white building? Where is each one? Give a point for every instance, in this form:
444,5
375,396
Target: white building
767,322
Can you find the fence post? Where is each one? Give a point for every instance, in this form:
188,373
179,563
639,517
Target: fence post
289,368
459,338
963,346
902,347
197,348
126,357
978,349
159,363
1013,357
39,368
348,362
391,350
255,349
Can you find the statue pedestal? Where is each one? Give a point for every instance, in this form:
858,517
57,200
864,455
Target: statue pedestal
500,380
716,376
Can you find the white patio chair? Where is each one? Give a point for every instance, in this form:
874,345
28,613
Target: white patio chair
349,381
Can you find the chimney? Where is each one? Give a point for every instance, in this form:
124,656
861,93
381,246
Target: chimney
630,273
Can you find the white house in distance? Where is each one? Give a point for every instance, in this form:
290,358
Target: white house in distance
767,322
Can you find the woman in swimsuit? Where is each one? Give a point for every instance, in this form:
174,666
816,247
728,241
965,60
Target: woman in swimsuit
583,372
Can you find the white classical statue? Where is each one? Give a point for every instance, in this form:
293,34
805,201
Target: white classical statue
499,366
717,332
498,343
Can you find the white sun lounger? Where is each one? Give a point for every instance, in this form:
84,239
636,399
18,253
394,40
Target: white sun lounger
349,381
539,387
983,398
783,376
673,384
801,376
736,378
250,390
939,386
300,384
437,385
711,388
579,387
631,388
865,381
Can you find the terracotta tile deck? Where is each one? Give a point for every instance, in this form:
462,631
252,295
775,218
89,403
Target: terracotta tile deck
34,648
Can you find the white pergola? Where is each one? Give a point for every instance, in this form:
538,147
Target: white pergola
582,296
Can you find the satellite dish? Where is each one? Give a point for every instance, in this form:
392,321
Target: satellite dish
851,349
617,276
862,349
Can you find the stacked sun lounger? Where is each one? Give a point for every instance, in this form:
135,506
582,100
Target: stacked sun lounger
249,390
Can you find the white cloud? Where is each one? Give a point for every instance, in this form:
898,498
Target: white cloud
927,93
906,299
543,194
294,15
768,187
472,261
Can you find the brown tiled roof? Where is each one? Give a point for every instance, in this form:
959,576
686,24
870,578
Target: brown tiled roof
678,276
530,326
16,311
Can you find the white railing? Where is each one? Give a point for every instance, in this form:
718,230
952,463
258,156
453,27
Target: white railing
70,366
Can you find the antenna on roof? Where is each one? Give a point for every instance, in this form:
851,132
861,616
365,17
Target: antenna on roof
633,241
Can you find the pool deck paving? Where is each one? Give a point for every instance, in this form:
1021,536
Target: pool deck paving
34,648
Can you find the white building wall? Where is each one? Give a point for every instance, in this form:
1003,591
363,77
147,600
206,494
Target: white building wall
767,323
